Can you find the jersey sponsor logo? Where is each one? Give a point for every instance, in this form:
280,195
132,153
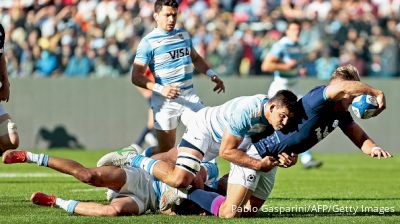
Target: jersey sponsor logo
322,134
179,53
251,178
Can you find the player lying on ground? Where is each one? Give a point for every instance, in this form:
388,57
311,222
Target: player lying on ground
322,110
131,190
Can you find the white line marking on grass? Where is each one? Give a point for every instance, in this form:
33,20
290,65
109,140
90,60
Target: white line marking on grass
19,175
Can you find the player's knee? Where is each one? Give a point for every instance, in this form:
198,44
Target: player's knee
183,181
111,211
187,166
86,176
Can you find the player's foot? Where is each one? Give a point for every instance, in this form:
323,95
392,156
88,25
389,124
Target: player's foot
172,197
312,164
43,199
118,158
14,156
110,194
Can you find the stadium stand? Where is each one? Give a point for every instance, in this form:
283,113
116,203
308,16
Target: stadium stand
94,38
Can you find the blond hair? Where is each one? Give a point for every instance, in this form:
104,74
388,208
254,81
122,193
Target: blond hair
346,72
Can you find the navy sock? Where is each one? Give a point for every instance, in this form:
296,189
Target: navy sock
209,201
142,135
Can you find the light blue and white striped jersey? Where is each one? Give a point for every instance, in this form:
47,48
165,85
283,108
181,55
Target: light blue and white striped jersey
168,56
286,50
241,116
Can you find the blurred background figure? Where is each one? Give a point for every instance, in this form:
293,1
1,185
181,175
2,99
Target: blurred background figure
286,61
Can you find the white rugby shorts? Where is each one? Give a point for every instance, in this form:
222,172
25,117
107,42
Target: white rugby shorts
168,112
199,135
261,183
139,187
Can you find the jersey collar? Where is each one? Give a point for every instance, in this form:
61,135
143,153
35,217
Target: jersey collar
263,119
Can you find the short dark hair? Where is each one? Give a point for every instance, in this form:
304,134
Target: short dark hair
160,3
285,98
294,21
346,72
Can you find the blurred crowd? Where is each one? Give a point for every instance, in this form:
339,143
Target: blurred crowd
82,38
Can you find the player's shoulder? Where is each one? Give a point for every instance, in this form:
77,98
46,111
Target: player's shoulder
182,33
180,30
151,34
283,41
252,103
317,90
254,99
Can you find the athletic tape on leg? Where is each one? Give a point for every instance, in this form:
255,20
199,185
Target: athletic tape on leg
188,162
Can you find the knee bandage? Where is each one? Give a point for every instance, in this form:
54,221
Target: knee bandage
188,162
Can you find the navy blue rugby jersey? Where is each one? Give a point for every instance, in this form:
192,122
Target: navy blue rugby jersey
315,120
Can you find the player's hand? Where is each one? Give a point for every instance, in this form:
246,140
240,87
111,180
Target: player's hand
171,91
381,100
219,87
5,91
286,161
379,152
268,163
291,64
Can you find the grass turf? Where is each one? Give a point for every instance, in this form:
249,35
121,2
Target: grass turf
331,194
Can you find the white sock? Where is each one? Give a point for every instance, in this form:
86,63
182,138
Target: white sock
40,159
67,205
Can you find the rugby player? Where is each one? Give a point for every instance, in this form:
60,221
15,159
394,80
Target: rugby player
170,55
321,111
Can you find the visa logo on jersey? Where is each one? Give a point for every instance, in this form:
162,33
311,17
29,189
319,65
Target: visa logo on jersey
179,53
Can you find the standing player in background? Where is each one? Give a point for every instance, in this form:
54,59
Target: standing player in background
147,134
170,55
8,130
284,60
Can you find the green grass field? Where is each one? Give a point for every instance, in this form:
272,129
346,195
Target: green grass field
346,182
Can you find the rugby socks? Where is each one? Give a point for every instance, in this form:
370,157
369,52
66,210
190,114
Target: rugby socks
148,152
208,201
40,159
142,135
67,205
144,163
212,174
305,157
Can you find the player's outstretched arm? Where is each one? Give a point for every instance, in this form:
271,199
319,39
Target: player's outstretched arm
360,138
340,89
202,67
